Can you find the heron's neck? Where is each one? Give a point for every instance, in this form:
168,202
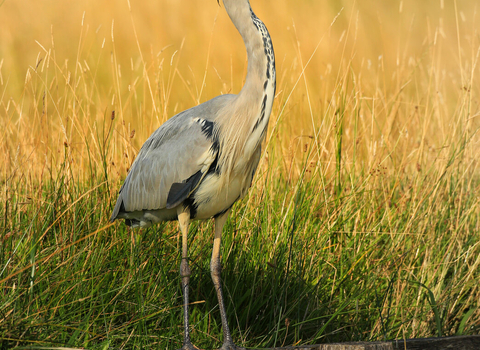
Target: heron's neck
261,59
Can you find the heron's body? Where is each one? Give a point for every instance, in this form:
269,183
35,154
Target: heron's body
199,162
196,154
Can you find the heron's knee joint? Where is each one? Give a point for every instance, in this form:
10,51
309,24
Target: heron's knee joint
215,268
185,268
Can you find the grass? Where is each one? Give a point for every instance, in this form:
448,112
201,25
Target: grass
364,217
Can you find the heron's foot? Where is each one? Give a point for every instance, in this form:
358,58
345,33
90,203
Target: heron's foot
231,346
189,346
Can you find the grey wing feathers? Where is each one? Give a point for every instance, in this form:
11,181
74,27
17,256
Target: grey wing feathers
172,162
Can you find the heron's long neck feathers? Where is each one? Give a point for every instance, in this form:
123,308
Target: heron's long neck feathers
244,125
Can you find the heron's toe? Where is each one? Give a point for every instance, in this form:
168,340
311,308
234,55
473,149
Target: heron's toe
189,346
231,346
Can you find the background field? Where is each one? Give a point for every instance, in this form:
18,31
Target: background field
363,222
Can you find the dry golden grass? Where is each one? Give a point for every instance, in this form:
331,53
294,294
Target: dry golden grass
404,74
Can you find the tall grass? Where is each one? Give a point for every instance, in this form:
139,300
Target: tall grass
363,220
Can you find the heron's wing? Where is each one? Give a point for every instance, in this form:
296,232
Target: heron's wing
173,161
181,190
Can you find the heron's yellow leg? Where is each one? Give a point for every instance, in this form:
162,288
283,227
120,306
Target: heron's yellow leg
185,272
215,269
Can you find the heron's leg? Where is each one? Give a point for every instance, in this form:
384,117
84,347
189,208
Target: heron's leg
215,269
185,272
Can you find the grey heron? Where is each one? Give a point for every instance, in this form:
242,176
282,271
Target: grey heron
198,163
